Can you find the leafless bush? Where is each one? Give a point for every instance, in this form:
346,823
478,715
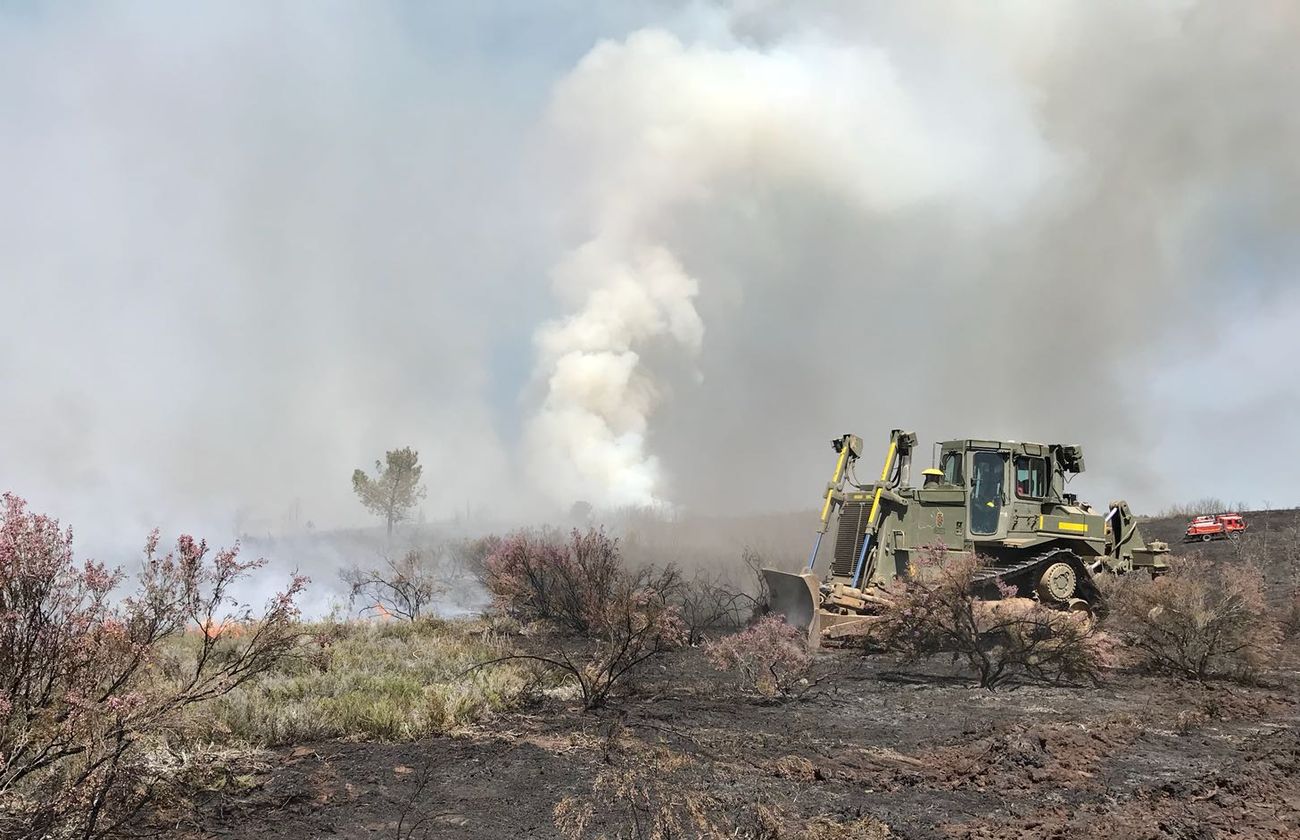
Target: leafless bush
636,625
405,588
1201,507
771,657
1290,613
938,612
1277,555
711,604
708,605
714,602
569,582
86,689
753,562
415,820
1199,620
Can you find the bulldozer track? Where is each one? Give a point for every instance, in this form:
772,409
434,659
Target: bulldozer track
1086,590
1004,572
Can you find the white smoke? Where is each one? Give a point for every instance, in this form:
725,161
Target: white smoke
246,248
660,125
599,397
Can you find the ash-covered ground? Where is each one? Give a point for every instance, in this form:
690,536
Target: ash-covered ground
869,748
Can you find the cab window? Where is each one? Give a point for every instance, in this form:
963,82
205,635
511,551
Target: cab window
951,466
1031,477
986,492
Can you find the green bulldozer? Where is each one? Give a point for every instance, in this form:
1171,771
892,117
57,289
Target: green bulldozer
1004,500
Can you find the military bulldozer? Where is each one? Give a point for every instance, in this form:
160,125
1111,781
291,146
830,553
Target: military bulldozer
1004,500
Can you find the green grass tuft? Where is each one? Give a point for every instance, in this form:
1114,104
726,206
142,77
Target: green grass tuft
392,681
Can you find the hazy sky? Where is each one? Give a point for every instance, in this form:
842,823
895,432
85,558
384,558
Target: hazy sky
631,252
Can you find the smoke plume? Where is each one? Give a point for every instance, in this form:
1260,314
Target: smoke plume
666,126
990,223
635,253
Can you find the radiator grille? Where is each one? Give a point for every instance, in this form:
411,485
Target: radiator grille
848,537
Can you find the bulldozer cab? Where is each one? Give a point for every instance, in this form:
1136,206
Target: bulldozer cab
1007,480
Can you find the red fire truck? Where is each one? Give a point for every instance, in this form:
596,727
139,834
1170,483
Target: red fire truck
1217,526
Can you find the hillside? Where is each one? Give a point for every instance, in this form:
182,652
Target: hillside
1263,525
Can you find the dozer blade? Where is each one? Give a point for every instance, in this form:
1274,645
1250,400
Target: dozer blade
795,596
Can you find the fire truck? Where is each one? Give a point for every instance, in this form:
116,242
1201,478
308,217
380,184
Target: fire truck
1216,526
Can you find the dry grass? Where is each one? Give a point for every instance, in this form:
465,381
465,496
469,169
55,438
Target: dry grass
1201,507
655,792
386,681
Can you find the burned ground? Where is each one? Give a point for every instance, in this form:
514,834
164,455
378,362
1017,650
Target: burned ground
1263,525
868,751
921,753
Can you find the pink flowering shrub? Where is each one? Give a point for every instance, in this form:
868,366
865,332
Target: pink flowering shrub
1200,620
82,699
534,577
771,657
581,586
405,588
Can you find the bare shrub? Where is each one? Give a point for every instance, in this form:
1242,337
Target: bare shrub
938,611
753,561
1201,507
1277,555
416,820
86,689
1199,620
405,588
535,577
770,658
581,586
430,573
636,625
1291,613
711,604
714,602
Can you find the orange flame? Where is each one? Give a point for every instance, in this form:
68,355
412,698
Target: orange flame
214,629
